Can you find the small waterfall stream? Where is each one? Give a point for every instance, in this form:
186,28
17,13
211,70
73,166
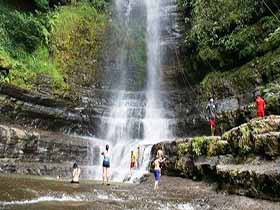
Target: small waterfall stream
137,115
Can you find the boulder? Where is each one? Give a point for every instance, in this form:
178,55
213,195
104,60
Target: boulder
242,138
268,144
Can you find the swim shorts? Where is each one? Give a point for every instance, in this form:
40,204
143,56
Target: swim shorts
212,122
132,164
157,174
106,163
260,113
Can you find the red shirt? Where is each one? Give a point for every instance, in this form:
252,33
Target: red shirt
260,105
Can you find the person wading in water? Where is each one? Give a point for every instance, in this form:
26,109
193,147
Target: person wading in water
157,171
211,111
76,174
106,165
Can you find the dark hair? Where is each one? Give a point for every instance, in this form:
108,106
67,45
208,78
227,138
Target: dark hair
107,147
75,165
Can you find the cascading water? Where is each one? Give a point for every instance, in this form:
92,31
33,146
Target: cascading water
137,116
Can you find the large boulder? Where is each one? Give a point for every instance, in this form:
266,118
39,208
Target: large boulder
254,135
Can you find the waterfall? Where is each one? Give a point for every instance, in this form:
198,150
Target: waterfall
137,115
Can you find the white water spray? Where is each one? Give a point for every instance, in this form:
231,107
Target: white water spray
136,117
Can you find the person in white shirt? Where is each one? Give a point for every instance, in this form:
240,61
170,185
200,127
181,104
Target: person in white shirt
76,174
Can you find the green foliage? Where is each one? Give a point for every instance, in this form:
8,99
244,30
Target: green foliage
42,4
222,34
77,36
244,143
24,43
50,43
271,95
199,146
23,30
100,5
182,149
245,78
217,147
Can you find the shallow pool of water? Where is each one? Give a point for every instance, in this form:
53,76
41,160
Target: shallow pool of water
37,193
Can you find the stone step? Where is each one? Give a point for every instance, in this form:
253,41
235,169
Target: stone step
259,179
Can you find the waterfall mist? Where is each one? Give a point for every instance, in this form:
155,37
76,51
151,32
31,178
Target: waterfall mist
134,65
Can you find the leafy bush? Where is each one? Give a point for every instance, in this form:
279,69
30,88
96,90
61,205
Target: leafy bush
182,149
40,43
223,34
199,146
42,4
24,30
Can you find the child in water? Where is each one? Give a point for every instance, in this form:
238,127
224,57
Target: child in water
76,174
132,161
157,170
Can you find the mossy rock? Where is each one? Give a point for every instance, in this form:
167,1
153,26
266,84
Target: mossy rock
268,144
185,166
217,147
199,146
184,148
241,139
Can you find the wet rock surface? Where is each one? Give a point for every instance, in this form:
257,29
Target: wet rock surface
43,153
175,193
244,160
88,113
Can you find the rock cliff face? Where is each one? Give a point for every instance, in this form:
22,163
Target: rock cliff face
43,153
36,110
244,160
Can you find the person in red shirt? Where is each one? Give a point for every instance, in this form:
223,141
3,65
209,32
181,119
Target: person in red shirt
260,106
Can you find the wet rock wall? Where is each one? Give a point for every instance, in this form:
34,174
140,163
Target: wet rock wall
42,153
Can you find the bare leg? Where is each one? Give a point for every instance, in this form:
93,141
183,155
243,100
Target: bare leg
212,131
103,175
156,186
107,180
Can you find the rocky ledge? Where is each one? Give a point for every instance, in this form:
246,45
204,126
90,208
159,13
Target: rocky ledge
40,110
245,160
43,153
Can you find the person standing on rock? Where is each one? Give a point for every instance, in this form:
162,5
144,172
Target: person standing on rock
76,174
157,171
260,106
211,111
106,165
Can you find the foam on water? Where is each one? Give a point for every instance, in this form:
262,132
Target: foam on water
181,206
62,198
